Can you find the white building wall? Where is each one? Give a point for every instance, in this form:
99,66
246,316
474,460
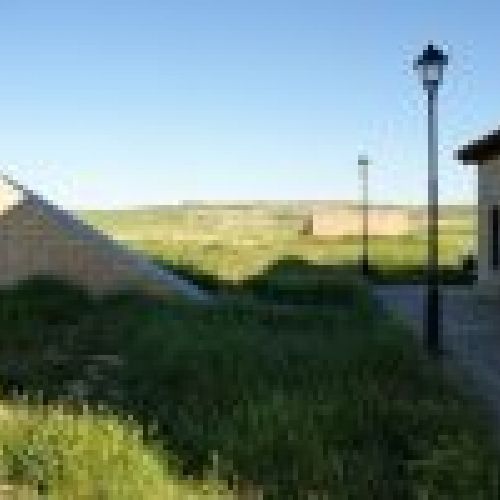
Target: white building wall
488,194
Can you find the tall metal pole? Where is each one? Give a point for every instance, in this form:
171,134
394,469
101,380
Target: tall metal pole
433,316
363,173
365,218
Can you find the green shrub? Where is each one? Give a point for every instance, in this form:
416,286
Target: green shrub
295,281
45,299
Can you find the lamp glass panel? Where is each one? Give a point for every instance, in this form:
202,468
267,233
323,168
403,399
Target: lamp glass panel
431,72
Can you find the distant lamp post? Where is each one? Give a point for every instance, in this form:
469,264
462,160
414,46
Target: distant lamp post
363,163
430,65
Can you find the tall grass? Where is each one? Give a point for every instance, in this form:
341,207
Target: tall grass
285,397
57,452
292,385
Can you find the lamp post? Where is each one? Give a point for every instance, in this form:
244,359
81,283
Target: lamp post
363,163
430,65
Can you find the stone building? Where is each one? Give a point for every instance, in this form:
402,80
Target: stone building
484,153
38,238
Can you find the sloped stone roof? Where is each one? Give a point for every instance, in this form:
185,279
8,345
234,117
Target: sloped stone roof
480,150
12,193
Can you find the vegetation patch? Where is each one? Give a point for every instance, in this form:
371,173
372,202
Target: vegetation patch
292,384
58,452
290,400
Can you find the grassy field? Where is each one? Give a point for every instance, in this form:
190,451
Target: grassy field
237,242
294,385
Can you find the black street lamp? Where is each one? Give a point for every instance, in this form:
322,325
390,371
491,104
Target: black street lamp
430,65
363,163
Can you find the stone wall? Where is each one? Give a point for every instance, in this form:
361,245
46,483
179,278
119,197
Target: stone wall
342,222
37,238
488,194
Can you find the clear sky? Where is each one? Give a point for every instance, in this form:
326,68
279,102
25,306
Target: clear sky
114,103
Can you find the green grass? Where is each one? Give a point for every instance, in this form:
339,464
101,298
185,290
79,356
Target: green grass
58,453
235,243
292,385
325,397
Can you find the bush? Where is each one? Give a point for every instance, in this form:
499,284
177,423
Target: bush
469,264
294,281
44,299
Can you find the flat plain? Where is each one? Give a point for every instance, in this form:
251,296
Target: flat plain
235,242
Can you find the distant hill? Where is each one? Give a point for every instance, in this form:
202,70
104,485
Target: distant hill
292,207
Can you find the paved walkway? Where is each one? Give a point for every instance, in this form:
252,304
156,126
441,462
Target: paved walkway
471,332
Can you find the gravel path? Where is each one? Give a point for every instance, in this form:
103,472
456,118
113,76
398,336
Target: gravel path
471,332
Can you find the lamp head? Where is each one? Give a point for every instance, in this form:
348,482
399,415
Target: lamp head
363,160
430,65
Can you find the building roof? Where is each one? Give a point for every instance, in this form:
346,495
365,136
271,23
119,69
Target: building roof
13,193
480,150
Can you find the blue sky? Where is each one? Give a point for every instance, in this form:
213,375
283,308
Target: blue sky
115,103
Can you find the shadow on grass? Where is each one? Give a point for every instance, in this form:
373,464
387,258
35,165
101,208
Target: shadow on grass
263,389
303,274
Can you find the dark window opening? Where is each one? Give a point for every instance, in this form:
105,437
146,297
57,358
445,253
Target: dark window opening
494,235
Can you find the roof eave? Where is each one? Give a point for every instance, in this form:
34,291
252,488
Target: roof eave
481,150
